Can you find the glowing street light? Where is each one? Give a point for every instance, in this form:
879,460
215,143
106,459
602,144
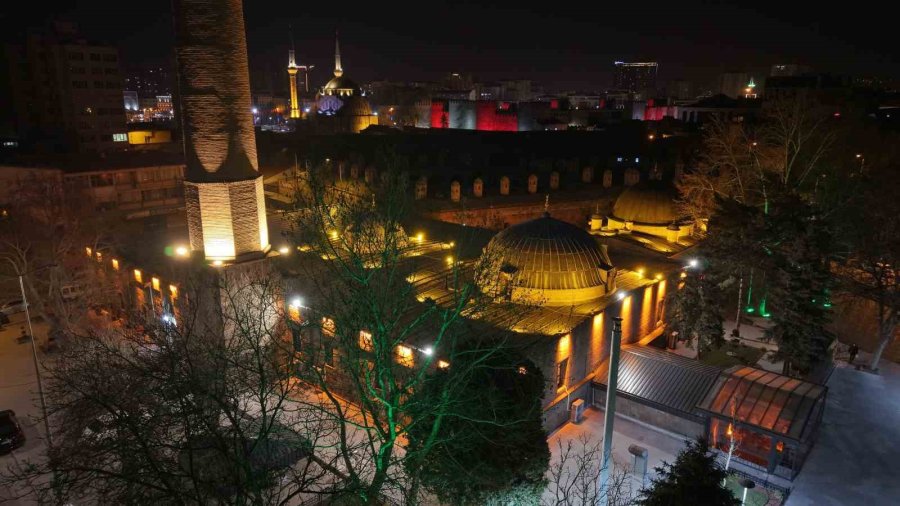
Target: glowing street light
621,296
181,251
284,250
296,303
428,351
693,263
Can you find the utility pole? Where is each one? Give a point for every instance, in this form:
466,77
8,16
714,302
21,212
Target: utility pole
737,319
610,410
37,370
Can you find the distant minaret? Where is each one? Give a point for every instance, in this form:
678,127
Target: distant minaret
223,188
292,75
338,70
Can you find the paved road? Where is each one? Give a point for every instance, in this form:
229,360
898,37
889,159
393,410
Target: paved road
18,391
855,460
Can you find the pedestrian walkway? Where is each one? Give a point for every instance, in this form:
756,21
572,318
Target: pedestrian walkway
854,460
661,446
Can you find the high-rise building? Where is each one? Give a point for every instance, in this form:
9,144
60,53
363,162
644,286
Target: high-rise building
682,89
224,198
149,82
635,77
64,93
788,70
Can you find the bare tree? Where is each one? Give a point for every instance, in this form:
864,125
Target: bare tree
382,312
180,413
870,269
573,478
51,238
785,148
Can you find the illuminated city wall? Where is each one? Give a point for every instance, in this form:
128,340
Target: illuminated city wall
462,114
491,118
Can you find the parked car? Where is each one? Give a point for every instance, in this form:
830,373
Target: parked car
71,292
11,435
13,307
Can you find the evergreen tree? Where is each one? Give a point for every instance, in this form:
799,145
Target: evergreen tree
694,312
788,243
694,478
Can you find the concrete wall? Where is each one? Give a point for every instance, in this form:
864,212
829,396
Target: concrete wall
650,415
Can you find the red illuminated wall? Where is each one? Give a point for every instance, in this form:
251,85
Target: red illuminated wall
440,117
652,113
490,119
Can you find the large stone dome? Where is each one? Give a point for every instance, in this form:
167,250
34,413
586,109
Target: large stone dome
546,261
648,202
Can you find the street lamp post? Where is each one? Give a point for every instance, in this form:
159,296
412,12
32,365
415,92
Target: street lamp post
609,411
37,369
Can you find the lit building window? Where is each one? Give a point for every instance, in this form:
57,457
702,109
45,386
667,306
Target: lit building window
443,364
173,290
365,340
155,283
562,371
328,326
137,276
120,137
404,355
115,264
99,256
89,251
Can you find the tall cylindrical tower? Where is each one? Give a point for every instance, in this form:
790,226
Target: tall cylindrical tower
223,187
292,75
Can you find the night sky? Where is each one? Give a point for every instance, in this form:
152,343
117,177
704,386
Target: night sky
562,45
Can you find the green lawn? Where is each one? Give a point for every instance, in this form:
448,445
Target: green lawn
743,355
755,497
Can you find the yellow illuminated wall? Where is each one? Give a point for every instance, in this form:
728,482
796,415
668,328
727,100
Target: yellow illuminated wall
564,351
597,340
149,137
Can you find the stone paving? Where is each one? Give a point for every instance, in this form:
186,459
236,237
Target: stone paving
857,456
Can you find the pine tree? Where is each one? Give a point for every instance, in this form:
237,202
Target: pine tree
694,312
694,478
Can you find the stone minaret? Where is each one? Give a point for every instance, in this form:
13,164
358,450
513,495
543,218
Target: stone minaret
292,75
223,187
338,70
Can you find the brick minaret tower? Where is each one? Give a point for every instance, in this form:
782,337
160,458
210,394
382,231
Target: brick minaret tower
223,187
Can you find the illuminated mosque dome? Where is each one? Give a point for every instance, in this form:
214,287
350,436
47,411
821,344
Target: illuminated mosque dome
341,86
548,262
648,202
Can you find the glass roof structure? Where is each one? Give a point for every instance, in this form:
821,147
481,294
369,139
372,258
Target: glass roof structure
786,407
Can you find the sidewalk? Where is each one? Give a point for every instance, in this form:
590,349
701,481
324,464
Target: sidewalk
854,460
660,446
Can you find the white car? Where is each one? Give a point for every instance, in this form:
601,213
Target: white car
13,307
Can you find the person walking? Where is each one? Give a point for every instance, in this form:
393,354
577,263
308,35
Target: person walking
854,350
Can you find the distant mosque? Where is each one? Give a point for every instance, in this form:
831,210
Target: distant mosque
340,104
